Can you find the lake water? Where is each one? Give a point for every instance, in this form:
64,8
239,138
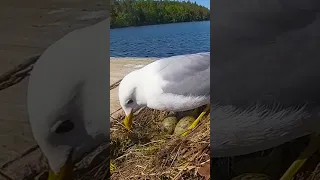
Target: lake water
160,40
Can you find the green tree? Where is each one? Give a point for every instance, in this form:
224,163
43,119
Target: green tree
147,12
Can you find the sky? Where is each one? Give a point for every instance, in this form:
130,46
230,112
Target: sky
205,3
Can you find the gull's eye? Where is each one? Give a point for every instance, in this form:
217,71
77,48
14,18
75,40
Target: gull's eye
64,127
129,101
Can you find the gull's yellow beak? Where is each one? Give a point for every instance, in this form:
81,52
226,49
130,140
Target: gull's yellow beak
128,121
65,173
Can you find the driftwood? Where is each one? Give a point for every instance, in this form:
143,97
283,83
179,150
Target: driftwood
116,84
17,73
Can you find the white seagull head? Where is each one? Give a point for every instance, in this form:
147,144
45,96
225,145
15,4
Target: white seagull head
130,97
68,98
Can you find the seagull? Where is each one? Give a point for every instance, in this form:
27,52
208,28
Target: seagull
177,83
265,76
68,98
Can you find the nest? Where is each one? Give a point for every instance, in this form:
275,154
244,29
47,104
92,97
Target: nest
269,164
149,153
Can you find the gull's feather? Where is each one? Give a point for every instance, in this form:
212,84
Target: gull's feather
187,75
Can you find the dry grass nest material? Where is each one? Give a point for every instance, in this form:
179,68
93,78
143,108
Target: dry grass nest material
271,164
149,153
146,153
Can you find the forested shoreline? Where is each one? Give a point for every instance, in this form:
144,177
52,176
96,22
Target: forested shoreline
125,13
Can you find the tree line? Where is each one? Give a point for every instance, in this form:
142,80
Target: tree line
126,13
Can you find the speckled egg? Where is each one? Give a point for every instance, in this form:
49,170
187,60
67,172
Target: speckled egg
183,125
169,124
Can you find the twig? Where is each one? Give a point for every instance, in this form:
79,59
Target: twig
17,73
5,176
18,68
116,84
177,176
30,150
314,172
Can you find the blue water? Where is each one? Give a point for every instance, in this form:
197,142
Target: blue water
160,40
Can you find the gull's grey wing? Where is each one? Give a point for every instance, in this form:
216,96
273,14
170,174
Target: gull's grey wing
186,74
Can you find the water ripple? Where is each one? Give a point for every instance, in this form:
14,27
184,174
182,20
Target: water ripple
160,40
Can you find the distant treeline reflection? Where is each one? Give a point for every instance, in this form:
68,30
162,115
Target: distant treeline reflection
126,13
